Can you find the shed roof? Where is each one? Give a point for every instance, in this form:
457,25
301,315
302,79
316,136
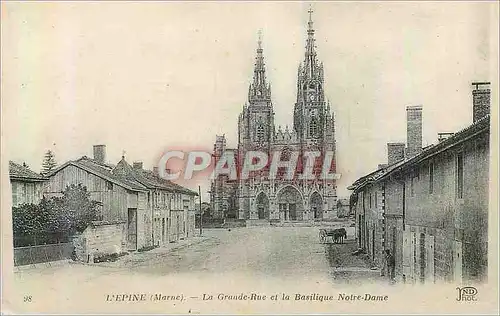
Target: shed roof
23,173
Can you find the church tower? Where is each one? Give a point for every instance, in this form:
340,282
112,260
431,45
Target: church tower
256,122
311,112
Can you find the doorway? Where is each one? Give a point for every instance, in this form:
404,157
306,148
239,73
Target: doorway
262,203
163,231
132,229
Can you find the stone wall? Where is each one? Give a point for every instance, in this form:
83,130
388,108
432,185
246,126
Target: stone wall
100,238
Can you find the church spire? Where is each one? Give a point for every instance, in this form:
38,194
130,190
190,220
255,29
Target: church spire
259,90
310,56
259,73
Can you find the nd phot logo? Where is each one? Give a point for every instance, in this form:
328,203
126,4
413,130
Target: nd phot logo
466,293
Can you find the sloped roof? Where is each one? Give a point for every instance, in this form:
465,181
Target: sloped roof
103,171
147,178
477,127
20,172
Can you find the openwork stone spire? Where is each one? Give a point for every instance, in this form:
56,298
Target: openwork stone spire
310,56
259,90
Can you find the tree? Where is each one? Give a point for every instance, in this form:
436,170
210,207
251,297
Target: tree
54,220
80,210
49,162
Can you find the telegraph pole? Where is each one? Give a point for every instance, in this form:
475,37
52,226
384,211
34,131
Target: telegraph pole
201,213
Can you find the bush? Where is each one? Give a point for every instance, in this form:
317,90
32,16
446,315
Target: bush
111,257
54,220
147,248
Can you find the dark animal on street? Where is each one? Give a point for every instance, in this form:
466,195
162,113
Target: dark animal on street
339,235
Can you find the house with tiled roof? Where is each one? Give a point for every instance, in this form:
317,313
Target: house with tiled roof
27,185
430,208
172,206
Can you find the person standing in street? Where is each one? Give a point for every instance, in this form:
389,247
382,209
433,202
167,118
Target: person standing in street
391,265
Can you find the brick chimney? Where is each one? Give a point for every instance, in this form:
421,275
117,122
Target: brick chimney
137,165
413,130
444,135
481,97
100,153
395,152
382,166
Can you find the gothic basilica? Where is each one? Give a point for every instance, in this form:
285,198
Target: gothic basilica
280,199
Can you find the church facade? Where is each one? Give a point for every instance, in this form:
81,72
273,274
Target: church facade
281,199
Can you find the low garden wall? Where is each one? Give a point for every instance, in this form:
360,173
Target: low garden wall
101,239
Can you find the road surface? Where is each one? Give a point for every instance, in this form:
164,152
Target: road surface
259,259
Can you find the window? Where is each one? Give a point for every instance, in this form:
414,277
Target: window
431,178
313,127
414,177
260,135
14,193
370,200
109,185
460,175
375,199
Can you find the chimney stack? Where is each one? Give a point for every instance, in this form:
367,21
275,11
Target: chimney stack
444,135
414,130
155,171
137,165
481,97
100,153
395,152
382,166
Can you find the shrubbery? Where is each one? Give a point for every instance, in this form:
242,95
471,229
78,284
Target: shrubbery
109,257
55,219
147,248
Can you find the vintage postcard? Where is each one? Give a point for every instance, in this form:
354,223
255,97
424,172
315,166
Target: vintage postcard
249,157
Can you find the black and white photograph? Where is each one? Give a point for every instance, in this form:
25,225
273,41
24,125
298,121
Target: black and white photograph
286,157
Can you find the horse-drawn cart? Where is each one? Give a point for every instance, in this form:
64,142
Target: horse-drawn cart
337,234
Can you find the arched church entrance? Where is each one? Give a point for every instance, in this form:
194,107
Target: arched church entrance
291,206
262,203
316,203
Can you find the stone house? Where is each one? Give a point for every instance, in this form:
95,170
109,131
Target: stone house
434,205
368,208
27,185
172,206
343,208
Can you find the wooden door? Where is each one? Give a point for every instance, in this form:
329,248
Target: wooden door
407,250
163,230
457,262
429,255
132,229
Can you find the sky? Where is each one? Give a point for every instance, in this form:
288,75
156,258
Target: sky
143,77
